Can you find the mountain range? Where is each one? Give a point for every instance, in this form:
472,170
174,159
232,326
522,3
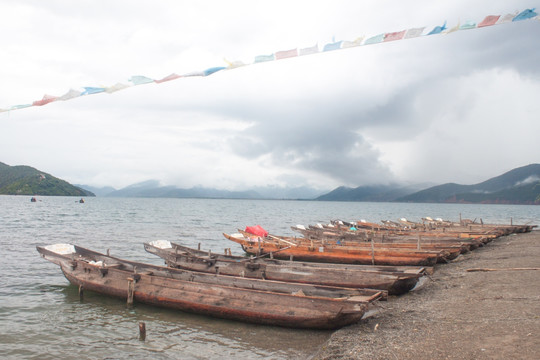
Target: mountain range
152,188
517,186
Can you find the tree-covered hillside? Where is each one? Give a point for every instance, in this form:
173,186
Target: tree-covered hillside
25,180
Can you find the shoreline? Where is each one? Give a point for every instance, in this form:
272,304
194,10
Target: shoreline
457,314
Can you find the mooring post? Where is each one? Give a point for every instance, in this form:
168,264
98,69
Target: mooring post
131,290
142,331
81,292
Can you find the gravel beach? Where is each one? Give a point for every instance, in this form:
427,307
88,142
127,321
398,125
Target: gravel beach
457,314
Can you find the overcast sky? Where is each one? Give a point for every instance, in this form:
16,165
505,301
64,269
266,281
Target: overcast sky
459,107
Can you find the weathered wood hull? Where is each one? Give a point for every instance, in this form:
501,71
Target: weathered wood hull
249,300
395,281
343,255
424,239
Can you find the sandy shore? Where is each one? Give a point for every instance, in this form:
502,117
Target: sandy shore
457,314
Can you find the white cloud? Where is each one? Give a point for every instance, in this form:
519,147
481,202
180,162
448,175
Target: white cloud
458,107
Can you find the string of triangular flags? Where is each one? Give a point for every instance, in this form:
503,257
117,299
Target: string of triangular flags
489,20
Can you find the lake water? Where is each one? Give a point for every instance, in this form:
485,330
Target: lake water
41,316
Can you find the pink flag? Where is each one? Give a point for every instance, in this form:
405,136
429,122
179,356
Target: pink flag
489,20
286,54
168,78
46,99
394,36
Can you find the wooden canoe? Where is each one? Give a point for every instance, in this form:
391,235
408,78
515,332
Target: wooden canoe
383,236
342,255
444,252
250,300
452,249
395,280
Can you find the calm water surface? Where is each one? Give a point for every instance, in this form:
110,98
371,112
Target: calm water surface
41,316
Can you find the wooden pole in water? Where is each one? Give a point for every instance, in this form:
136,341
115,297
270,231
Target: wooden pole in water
81,292
142,331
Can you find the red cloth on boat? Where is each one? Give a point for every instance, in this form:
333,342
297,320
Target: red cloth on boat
256,230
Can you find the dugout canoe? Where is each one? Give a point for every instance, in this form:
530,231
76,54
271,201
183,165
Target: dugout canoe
451,249
444,253
395,280
431,240
341,255
249,300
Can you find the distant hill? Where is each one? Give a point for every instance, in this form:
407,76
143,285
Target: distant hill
374,193
152,189
517,186
25,180
98,191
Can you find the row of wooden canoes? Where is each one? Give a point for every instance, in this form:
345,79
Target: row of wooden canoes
331,292
364,243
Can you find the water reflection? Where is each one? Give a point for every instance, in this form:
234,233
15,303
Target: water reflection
110,320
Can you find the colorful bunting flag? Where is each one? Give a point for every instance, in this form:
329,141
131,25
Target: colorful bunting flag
72,93
139,80
489,20
263,58
92,90
375,39
414,32
525,14
506,18
438,29
334,45
116,87
348,44
468,25
394,36
286,54
168,78
46,99
213,70
309,50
